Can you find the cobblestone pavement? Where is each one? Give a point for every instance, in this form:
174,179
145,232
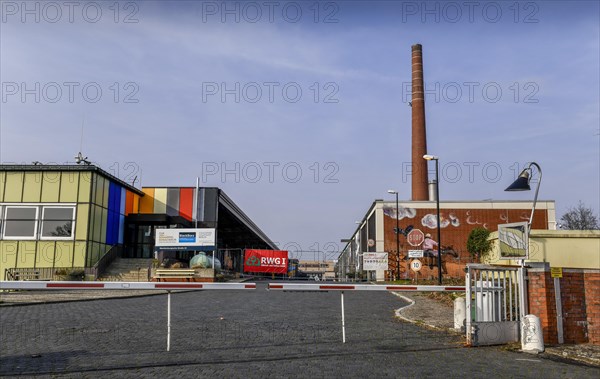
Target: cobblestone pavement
248,334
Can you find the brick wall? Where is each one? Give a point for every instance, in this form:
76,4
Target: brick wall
455,234
580,299
592,296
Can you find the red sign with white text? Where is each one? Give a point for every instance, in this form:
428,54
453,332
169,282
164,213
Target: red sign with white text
271,261
415,237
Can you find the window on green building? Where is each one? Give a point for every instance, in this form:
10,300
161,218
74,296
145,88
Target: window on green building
57,222
20,222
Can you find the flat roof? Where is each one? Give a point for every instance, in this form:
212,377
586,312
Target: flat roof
62,168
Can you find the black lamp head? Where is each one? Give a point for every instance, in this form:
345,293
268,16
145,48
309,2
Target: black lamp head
522,182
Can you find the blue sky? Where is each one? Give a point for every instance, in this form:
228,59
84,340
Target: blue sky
200,93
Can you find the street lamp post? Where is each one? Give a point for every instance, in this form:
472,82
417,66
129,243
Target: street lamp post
437,203
397,234
522,184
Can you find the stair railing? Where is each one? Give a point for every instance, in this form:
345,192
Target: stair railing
100,267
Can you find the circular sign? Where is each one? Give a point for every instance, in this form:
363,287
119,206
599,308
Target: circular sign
415,265
371,243
415,237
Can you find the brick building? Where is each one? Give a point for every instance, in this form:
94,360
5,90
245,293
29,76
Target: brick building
375,233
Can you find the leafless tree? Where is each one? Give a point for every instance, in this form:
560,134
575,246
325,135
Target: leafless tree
579,218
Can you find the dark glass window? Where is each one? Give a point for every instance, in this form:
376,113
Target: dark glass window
57,222
20,222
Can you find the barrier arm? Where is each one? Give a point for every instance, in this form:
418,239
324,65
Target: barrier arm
158,286
293,287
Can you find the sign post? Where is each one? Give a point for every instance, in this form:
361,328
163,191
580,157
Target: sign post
416,266
415,238
557,273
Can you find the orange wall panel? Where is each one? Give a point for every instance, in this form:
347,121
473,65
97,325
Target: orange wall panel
136,203
147,201
128,202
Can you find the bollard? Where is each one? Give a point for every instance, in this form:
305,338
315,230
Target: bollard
460,312
532,339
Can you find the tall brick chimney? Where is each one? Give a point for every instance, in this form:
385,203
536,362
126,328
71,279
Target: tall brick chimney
419,136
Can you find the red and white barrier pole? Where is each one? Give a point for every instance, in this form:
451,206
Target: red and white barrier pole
359,287
41,285
158,286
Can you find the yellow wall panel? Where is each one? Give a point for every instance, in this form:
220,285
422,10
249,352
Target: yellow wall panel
32,187
160,200
8,256
94,254
81,221
97,223
26,257
64,254
45,254
50,187
85,186
99,185
68,187
79,254
147,201
105,192
2,180
14,187
104,223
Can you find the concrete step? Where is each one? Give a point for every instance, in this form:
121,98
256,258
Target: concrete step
128,270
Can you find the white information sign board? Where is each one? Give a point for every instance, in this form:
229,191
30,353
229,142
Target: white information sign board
185,239
375,261
415,253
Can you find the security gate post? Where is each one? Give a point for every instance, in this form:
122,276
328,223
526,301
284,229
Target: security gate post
468,306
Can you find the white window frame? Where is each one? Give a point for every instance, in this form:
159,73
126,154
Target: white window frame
56,238
19,238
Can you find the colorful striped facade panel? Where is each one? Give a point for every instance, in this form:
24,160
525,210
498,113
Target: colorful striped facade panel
173,201
186,203
147,201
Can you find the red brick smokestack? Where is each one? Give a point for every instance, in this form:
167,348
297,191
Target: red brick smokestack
419,136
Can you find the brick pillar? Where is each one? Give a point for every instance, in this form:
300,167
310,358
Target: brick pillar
574,306
592,302
580,300
542,303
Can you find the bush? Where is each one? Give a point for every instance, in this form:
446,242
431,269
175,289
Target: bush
478,244
76,275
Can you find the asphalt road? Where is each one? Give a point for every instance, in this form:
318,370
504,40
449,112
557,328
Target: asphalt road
248,334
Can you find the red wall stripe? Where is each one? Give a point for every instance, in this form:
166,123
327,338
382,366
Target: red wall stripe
186,203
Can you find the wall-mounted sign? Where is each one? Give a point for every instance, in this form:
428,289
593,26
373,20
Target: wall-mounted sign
375,261
185,239
513,240
271,261
415,253
556,272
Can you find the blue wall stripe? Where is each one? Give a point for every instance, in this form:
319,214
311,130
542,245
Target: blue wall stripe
114,207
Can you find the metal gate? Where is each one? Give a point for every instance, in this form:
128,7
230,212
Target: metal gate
493,304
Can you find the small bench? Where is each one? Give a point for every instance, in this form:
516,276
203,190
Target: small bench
27,275
175,273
